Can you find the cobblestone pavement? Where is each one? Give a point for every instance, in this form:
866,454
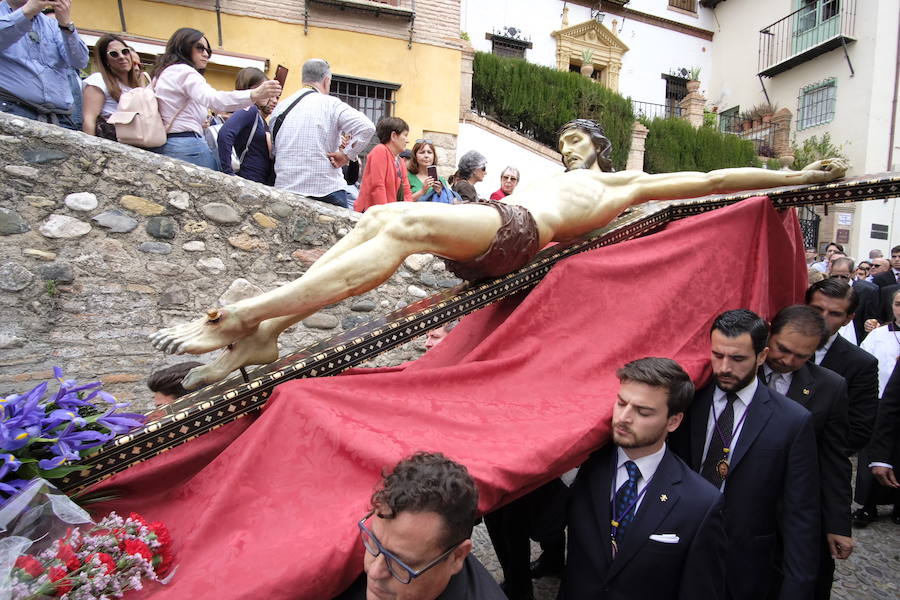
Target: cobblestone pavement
872,572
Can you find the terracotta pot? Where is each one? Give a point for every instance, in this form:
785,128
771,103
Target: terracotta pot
767,118
587,70
747,125
756,123
693,85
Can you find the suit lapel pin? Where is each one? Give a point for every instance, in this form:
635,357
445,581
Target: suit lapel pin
805,391
663,497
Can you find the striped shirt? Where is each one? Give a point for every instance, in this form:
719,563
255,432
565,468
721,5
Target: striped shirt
311,130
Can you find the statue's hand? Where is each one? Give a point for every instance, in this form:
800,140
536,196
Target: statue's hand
828,169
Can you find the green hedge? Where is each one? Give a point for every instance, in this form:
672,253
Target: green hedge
674,145
536,101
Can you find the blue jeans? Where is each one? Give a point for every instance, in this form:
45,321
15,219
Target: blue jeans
23,111
337,198
189,149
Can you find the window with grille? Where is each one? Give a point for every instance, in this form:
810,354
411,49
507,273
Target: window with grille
375,99
688,5
816,105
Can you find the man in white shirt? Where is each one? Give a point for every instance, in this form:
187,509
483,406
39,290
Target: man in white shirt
637,509
759,447
306,131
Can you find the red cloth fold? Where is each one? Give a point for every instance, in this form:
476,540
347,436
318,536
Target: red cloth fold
520,392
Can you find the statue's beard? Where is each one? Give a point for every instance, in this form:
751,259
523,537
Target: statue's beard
587,163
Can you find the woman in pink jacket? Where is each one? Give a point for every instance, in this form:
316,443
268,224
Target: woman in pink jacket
384,178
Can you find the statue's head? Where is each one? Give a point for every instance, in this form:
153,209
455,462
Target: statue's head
583,145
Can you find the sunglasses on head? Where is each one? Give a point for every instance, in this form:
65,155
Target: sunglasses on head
117,53
424,141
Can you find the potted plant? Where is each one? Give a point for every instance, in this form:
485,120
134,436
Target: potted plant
767,111
746,121
693,83
586,67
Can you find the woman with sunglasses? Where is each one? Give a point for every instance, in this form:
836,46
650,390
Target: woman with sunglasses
423,186
472,169
184,97
115,74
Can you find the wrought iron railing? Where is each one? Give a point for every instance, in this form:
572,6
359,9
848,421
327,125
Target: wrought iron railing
809,225
652,111
817,26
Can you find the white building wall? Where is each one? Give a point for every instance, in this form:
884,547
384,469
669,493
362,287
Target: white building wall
501,153
652,50
861,121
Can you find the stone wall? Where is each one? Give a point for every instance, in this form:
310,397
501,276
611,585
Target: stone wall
102,244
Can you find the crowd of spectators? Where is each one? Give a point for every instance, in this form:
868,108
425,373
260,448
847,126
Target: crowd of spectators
311,143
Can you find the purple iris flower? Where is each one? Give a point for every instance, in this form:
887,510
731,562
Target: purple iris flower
121,422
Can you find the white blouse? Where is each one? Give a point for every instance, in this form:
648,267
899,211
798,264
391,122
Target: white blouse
109,105
180,86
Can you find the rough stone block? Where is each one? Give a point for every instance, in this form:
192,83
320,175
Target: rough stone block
62,226
60,272
221,213
141,206
307,256
178,199
194,246
116,221
248,243
40,156
155,247
321,321
161,227
12,222
14,277
39,254
417,262
240,289
212,264
416,291
82,201
195,226
363,306
21,171
265,221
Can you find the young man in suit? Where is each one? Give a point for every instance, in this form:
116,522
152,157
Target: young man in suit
884,450
796,333
760,449
838,302
641,523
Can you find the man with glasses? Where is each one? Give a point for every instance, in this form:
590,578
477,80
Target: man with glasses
509,179
417,536
41,49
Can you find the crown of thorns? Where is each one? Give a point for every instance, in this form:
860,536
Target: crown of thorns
601,143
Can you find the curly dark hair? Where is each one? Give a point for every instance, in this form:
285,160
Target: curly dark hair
430,482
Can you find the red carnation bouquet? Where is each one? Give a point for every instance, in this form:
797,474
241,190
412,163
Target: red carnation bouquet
100,561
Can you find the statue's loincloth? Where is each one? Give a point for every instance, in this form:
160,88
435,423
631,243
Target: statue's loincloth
515,244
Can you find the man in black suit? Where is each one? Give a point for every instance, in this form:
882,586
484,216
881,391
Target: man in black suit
883,451
842,269
641,523
890,277
796,333
760,448
838,302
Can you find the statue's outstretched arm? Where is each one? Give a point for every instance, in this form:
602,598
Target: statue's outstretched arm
672,186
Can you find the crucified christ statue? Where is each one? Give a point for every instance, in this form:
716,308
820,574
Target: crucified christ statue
478,240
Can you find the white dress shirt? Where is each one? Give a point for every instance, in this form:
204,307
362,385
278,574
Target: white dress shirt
647,465
783,383
821,352
740,406
308,133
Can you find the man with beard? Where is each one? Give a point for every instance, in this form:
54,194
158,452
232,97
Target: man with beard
478,240
759,448
641,523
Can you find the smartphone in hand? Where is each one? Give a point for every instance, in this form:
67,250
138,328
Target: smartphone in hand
281,74
432,172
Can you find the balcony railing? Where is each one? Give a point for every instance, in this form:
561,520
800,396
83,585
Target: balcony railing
814,29
652,111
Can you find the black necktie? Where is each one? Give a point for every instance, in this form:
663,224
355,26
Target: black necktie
712,470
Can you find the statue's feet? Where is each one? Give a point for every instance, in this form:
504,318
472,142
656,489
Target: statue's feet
219,328
258,348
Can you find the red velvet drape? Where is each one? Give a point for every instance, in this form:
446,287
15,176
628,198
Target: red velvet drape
520,392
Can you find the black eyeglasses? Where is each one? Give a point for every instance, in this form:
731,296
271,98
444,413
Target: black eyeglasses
203,49
116,53
509,178
397,568
424,141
